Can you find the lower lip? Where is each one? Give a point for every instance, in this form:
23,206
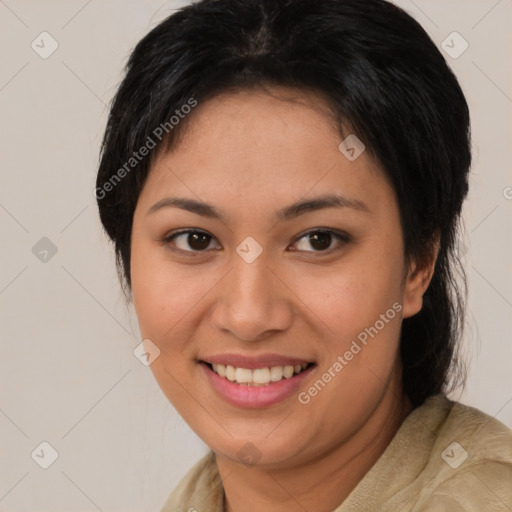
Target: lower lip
253,397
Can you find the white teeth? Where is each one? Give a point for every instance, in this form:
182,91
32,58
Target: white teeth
243,375
276,373
220,369
261,376
230,373
288,372
258,376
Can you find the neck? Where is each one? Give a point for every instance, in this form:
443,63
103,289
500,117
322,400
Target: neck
323,483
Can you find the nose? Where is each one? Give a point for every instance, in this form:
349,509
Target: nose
253,303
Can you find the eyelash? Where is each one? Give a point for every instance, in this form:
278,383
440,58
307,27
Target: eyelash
343,239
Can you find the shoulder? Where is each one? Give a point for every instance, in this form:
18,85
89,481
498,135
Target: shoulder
469,467
446,456
477,488
199,490
474,437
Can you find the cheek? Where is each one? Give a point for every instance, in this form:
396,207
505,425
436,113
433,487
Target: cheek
359,304
167,300
352,295
360,309
162,294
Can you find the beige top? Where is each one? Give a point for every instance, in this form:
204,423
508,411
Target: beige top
445,457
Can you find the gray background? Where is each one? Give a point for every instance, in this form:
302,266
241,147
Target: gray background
68,373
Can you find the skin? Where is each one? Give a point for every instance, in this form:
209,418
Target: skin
250,154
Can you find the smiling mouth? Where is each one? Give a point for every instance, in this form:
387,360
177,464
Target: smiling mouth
257,377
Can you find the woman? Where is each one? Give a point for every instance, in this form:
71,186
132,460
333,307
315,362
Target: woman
283,182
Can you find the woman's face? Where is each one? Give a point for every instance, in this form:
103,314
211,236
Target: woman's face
293,260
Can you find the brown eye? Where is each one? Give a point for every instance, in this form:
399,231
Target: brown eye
321,241
198,241
190,241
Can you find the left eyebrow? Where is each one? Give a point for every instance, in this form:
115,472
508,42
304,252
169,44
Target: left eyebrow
319,203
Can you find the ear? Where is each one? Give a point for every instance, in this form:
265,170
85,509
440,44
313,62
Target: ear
417,281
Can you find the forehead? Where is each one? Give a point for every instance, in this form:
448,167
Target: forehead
266,147
245,121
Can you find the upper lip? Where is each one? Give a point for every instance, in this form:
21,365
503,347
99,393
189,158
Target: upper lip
253,362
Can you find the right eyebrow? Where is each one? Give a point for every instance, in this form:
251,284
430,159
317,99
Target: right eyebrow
190,205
